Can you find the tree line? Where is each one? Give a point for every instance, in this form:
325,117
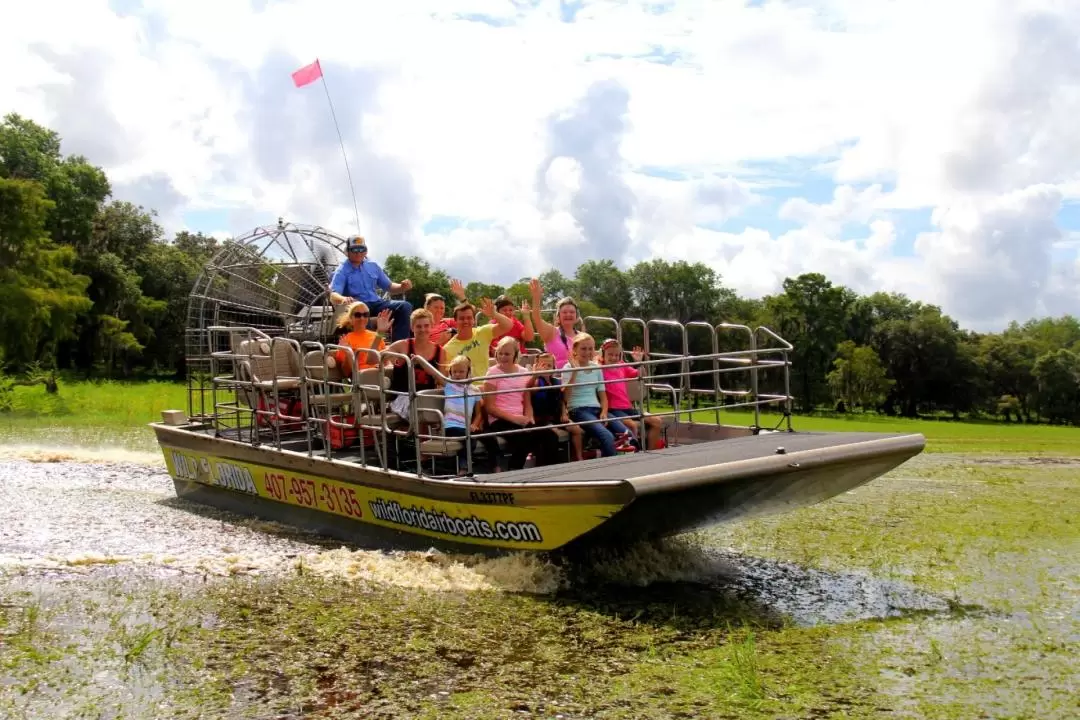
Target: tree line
91,285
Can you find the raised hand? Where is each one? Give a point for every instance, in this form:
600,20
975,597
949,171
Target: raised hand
487,306
383,321
525,308
637,353
458,289
536,292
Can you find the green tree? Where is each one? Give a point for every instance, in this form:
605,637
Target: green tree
1008,363
123,319
425,279
858,378
475,291
812,315
924,355
169,272
1049,333
605,285
556,286
40,296
1058,376
678,291
77,188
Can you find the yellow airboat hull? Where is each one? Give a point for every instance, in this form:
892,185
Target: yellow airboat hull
594,502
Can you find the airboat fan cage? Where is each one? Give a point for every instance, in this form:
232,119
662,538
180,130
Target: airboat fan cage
274,279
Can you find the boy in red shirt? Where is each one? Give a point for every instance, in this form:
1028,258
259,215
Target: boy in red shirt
520,331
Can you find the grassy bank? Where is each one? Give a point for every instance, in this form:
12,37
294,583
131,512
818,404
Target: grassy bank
105,413
117,412
942,436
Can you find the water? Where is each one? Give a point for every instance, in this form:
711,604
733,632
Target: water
76,511
95,539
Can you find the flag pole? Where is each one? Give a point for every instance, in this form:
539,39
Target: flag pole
307,75
352,189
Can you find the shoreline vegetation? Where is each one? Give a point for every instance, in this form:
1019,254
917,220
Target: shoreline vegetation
117,412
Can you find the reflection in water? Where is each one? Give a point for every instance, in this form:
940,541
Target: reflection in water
75,512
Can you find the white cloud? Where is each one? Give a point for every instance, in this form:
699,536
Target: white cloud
966,108
848,206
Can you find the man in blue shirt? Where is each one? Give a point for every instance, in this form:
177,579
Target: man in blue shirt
358,279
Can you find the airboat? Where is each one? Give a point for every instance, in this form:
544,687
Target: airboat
275,429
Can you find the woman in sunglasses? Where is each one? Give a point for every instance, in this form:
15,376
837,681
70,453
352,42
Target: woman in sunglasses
359,338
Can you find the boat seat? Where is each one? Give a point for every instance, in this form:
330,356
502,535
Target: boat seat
635,391
375,419
429,412
367,384
370,397
324,375
270,363
244,350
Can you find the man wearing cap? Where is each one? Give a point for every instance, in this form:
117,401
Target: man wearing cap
357,280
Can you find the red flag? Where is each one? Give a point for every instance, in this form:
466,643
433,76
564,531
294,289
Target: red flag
307,74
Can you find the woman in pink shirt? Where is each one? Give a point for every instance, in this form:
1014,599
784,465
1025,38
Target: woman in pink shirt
513,411
619,405
557,337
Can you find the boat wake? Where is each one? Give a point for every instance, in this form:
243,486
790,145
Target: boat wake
101,455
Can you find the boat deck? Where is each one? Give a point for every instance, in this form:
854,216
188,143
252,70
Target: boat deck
683,457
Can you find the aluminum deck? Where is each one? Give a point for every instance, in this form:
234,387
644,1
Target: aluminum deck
684,457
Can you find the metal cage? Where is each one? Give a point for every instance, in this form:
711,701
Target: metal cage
274,279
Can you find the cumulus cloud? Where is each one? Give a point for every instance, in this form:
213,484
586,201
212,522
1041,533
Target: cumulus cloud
153,192
716,199
637,130
1021,128
590,134
85,120
991,258
848,206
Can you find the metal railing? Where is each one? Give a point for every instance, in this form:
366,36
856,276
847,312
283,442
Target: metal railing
254,401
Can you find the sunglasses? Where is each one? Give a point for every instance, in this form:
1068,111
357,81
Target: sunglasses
361,314
358,249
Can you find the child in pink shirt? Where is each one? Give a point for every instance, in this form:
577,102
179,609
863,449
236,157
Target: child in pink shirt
509,411
619,405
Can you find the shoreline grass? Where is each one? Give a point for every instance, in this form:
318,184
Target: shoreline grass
119,411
